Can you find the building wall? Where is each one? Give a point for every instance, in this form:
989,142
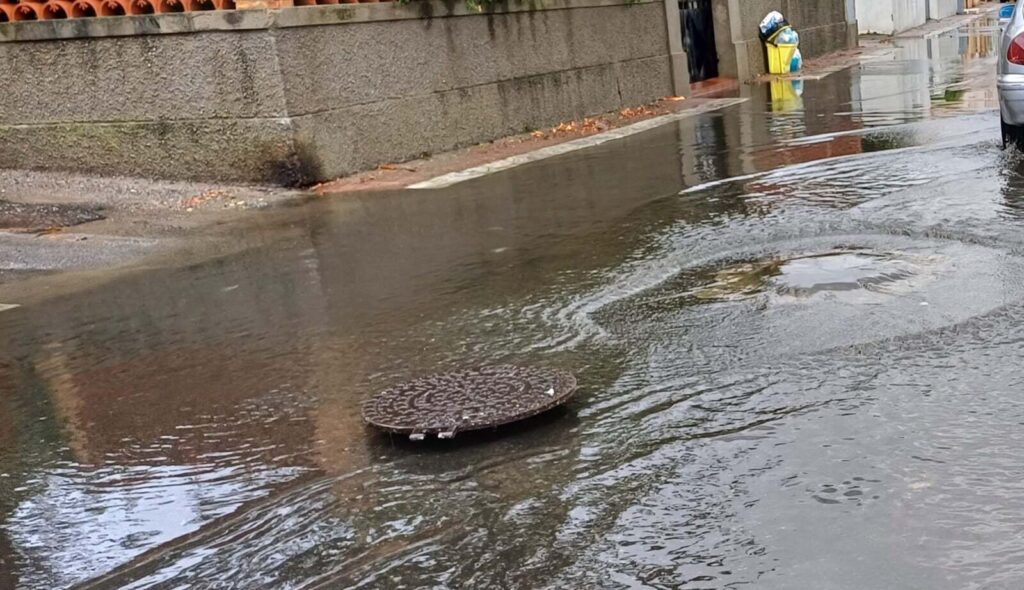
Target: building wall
887,17
875,16
310,93
823,26
941,8
908,14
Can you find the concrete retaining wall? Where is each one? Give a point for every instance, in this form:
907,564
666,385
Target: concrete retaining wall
310,93
824,26
886,17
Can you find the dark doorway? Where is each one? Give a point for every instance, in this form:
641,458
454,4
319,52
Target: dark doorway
698,27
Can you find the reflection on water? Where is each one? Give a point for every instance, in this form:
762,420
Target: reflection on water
944,75
787,95
795,330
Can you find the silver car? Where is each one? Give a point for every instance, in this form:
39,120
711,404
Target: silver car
1010,79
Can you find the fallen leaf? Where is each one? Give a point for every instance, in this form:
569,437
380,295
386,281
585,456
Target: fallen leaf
395,167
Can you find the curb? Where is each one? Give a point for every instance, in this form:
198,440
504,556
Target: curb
452,178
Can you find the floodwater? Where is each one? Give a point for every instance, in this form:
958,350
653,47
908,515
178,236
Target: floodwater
795,322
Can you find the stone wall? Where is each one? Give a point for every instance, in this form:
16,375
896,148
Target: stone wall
824,26
309,93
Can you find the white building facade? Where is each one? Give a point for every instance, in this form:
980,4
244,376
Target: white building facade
887,17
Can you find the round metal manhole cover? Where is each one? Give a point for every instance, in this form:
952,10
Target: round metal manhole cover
472,399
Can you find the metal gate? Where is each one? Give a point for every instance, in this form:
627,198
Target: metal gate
698,28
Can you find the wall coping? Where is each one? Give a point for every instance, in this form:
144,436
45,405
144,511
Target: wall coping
260,19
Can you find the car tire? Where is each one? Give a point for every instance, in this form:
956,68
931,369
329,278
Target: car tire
1013,136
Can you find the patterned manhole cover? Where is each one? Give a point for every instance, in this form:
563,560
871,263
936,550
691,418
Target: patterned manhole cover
472,399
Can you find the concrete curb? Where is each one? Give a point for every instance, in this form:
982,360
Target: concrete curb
446,180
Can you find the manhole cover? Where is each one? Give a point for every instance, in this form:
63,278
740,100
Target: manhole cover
447,403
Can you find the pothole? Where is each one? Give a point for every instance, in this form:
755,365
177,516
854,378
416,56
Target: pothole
31,217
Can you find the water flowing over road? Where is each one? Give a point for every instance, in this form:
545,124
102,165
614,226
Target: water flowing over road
795,325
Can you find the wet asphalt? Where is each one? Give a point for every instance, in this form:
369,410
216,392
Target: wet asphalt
794,322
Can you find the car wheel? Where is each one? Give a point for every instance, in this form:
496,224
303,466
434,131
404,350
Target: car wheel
1013,136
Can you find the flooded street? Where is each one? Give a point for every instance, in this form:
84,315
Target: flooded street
794,322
